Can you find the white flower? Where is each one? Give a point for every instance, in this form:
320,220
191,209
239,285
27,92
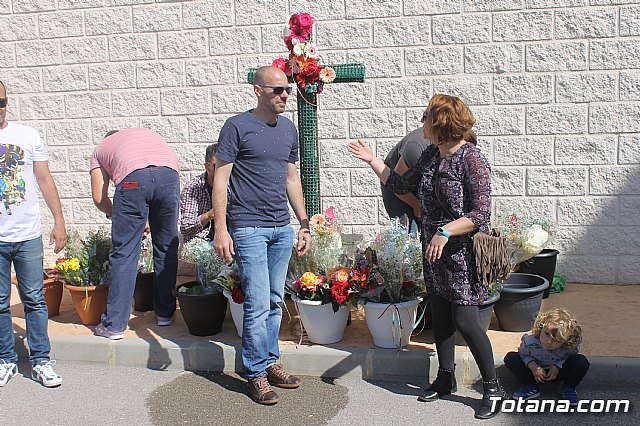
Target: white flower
536,237
298,49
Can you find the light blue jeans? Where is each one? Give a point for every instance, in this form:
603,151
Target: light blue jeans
27,262
262,255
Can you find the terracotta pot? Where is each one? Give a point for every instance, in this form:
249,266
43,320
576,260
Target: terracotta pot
90,302
52,291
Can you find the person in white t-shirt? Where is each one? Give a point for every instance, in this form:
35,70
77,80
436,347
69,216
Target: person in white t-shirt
23,164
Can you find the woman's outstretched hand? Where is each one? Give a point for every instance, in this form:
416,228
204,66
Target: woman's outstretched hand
360,150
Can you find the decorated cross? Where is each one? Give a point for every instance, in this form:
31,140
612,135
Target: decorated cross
302,68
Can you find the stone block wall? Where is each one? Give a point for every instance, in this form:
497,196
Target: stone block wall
554,85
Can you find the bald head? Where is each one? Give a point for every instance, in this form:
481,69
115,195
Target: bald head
265,75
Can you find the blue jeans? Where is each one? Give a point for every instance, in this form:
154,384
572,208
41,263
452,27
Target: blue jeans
27,262
263,256
156,197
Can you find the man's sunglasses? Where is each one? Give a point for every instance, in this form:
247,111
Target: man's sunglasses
277,90
3,102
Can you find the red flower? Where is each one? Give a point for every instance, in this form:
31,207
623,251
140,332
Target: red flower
340,291
309,74
283,65
237,295
300,24
305,21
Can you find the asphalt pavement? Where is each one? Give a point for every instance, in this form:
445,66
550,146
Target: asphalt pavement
96,394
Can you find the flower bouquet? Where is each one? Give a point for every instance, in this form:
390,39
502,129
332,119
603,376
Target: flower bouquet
389,280
84,269
390,269
229,279
311,277
302,63
87,260
318,282
526,236
208,265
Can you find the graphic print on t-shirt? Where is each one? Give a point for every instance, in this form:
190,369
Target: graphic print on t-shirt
12,188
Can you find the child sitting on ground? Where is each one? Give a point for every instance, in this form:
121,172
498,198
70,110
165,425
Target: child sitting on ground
550,351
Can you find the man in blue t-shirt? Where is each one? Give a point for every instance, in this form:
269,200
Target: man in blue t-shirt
256,156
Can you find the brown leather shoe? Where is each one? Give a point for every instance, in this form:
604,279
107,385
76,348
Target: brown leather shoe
280,378
261,392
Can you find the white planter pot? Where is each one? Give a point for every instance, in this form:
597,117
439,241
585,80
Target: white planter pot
322,324
237,311
391,325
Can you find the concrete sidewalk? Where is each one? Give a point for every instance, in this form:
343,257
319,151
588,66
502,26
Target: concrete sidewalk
609,315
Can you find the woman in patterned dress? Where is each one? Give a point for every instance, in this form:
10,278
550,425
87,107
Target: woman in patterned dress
454,187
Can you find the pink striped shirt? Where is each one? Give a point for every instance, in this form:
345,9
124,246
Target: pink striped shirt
130,150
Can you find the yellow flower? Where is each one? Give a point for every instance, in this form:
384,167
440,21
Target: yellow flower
309,279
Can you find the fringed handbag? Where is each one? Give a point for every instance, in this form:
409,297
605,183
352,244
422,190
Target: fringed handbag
490,250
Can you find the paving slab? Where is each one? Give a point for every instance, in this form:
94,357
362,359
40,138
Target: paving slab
608,314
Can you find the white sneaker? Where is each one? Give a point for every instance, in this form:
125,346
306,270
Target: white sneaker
43,372
7,371
163,321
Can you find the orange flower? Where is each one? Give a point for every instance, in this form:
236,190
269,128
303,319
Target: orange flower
341,274
327,75
317,221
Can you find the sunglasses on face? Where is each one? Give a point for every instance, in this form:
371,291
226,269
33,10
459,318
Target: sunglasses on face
3,102
425,116
277,90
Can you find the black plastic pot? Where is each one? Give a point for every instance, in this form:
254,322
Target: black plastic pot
203,313
485,312
520,301
543,264
143,293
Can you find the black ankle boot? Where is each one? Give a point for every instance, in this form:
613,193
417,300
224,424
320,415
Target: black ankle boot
492,398
444,384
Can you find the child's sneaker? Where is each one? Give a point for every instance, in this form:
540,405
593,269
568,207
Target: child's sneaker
527,392
103,331
571,395
7,371
43,372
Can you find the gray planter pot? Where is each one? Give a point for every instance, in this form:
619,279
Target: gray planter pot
520,301
543,264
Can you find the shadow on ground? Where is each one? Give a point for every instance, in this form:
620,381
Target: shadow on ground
221,399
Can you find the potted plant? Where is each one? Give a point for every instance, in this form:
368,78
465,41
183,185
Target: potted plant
390,285
318,284
145,279
202,304
230,282
52,291
521,294
85,273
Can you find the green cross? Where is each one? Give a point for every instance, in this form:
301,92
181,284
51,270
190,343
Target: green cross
308,132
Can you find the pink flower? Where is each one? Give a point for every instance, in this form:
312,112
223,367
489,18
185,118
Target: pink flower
305,21
279,63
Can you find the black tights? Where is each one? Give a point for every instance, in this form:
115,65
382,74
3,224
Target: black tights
448,317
